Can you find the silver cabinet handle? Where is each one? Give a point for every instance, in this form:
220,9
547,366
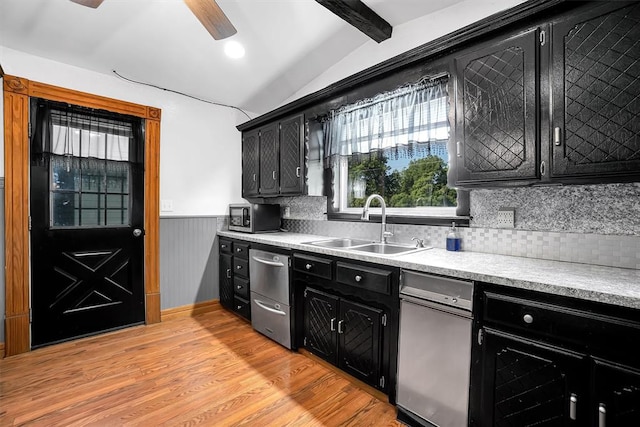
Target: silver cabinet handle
228,273
254,177
458,151
308,266
267,262
340,330
238,249
333,324
298,172
239,287
556,136
358,278
238,267
223,246
573,406
602,415
273,175
543,168
239,307
528,318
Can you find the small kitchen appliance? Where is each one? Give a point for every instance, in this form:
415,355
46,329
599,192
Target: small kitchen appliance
254,217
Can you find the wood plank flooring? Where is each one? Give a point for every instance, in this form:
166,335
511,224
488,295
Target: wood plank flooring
211,369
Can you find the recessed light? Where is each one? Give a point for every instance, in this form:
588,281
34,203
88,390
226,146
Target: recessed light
233,49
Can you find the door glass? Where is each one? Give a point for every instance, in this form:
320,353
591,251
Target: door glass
89,172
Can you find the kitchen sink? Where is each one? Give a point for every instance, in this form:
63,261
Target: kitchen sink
388,249
339,243
360,245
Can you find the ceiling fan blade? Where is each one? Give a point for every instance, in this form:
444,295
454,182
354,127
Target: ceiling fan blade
212,17
89,3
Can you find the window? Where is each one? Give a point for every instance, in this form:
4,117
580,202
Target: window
89,163
394,145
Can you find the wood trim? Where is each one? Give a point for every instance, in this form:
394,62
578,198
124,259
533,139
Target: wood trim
17,91
16,225
190,310
356,382
152,222
455,40
1,350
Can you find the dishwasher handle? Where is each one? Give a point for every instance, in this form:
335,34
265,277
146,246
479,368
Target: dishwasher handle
268,262
263,305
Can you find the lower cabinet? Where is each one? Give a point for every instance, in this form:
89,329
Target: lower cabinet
234,277
561,362
344,333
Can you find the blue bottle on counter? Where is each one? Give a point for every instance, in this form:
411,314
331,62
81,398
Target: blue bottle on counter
453,238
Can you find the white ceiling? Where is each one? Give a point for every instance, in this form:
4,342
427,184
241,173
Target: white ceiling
288,42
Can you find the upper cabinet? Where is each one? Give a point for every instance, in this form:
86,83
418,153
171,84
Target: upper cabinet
273,159
596,92
555,103
496,123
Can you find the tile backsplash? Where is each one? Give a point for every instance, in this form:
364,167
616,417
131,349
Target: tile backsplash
591,224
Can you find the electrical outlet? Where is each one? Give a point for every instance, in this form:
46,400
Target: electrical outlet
166,205
506,218
287,212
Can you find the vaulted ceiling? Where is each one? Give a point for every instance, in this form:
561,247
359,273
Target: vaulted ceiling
288,42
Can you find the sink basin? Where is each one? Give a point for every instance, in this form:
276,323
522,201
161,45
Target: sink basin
388,249
339,243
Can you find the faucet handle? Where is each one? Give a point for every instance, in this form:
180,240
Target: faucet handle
419,242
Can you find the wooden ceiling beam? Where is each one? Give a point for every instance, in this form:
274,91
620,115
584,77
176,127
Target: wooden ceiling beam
360,16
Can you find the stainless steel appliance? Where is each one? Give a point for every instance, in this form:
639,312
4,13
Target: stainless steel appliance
254,217
434,349
270,296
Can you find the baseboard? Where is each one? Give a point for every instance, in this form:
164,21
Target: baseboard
190,310
356,382
1,350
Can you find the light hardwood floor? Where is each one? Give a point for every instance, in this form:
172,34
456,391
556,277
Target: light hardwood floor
211,369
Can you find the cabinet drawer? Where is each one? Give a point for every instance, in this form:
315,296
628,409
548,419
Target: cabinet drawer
240,267
558,324
242,307
225,246
241,250
373,279
311,265
241,287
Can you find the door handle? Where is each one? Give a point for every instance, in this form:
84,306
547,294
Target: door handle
273,175
602,415
272,310
557,140
573,406
333,324
228,273
298,172
340,330
137,232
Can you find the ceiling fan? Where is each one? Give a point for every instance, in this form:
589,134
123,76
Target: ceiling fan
207,11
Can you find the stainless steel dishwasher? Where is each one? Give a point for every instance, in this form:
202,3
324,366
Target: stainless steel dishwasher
270,296
434,350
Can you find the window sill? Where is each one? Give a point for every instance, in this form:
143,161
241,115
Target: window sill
461,221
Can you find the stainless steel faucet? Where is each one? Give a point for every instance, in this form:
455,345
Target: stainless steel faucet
384,234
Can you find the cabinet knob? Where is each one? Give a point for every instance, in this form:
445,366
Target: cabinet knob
239,287
358,278
239,307
238,267
308,266
527,318
238,249
223,246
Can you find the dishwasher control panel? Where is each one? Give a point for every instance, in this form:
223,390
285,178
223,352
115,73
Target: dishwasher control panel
442,290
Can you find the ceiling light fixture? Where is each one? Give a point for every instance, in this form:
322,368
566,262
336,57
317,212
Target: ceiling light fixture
233,49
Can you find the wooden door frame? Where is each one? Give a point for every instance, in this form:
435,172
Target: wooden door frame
17,92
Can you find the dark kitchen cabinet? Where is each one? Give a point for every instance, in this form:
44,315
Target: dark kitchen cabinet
273,159
234,277
250,164
344,333
596,82
551,360
496,123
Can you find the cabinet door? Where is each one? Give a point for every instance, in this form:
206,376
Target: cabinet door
320,324
596,82
359,341
292,155
496,120
617,396
226,281
269,160
523,383
250,164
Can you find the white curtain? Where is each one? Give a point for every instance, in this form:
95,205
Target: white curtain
399,122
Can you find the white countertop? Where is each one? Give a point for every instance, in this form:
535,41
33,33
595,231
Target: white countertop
618,286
